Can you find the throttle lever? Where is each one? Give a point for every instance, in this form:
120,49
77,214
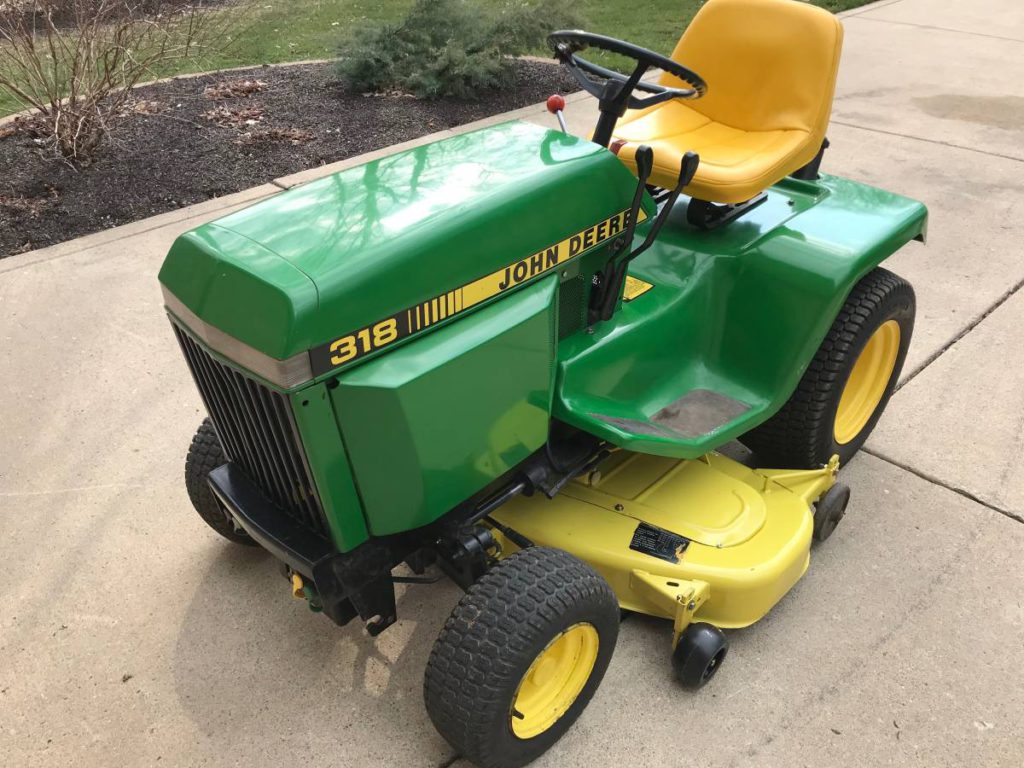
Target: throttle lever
687,170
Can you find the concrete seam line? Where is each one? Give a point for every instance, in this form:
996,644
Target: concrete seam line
867,8
943,29
930,141
963,332
936,481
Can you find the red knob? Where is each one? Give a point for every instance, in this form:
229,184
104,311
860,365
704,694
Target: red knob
555,103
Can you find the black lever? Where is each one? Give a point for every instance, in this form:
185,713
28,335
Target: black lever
608,279
644,160
614,273
687,170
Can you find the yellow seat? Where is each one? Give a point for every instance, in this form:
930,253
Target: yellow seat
770,66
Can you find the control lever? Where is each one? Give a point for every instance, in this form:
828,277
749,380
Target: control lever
605,292
556,103
687,170
614,273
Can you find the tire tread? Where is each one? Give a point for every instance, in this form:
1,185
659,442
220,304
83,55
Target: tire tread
799,435
481,647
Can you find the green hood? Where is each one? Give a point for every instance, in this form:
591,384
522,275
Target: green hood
338,255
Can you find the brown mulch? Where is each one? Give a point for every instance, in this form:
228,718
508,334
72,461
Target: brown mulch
194,139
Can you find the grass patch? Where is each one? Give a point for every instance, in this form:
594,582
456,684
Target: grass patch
276,31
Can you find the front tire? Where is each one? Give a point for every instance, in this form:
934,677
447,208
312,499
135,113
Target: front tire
204,456
848,383
520,657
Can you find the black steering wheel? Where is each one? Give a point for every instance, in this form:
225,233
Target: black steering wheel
614,90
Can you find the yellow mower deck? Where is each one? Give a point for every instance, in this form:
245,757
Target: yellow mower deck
703,540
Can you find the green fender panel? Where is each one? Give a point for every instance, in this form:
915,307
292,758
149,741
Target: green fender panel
437,420
733,320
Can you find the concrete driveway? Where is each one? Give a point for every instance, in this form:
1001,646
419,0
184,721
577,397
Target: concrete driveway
132,635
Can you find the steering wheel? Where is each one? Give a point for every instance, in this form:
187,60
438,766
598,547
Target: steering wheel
615,90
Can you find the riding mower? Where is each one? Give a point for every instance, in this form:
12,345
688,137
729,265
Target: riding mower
511,358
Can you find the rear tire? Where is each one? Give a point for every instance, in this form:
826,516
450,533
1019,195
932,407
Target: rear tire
204,456
812,426
520,657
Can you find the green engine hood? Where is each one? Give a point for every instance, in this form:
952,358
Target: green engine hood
336,256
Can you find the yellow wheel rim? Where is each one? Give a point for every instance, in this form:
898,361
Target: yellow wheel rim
868,380
554,680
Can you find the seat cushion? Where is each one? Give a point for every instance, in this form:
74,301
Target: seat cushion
735,165
771,68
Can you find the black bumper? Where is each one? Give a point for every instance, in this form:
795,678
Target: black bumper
269,527
347,584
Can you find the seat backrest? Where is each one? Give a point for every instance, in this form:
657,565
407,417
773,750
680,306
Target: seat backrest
769,64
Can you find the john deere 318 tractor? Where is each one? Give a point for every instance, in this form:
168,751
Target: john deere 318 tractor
511,356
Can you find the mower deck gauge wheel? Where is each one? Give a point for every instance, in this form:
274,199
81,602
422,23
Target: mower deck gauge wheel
698,654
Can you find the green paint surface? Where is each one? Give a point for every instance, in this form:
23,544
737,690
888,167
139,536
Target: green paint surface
328,462
387,235
418,427
738,311
437,420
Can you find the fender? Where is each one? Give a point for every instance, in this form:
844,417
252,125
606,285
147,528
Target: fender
733,319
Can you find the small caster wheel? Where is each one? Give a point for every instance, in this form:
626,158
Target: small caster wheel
830,510
698,655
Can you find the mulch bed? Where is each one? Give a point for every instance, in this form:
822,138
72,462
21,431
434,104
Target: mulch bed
194,139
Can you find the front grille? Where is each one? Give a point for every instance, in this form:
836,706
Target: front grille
258,434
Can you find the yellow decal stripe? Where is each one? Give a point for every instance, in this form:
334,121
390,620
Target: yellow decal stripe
545,260
347,348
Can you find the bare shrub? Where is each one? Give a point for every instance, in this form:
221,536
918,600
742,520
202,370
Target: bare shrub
75,61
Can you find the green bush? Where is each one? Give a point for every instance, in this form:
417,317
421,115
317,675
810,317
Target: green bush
450,47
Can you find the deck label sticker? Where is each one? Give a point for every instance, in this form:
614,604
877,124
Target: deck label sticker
635,287
361,342
659,543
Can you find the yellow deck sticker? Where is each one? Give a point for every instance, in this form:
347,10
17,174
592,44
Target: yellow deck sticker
352,346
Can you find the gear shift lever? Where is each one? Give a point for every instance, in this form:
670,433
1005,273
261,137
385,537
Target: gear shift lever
556,103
